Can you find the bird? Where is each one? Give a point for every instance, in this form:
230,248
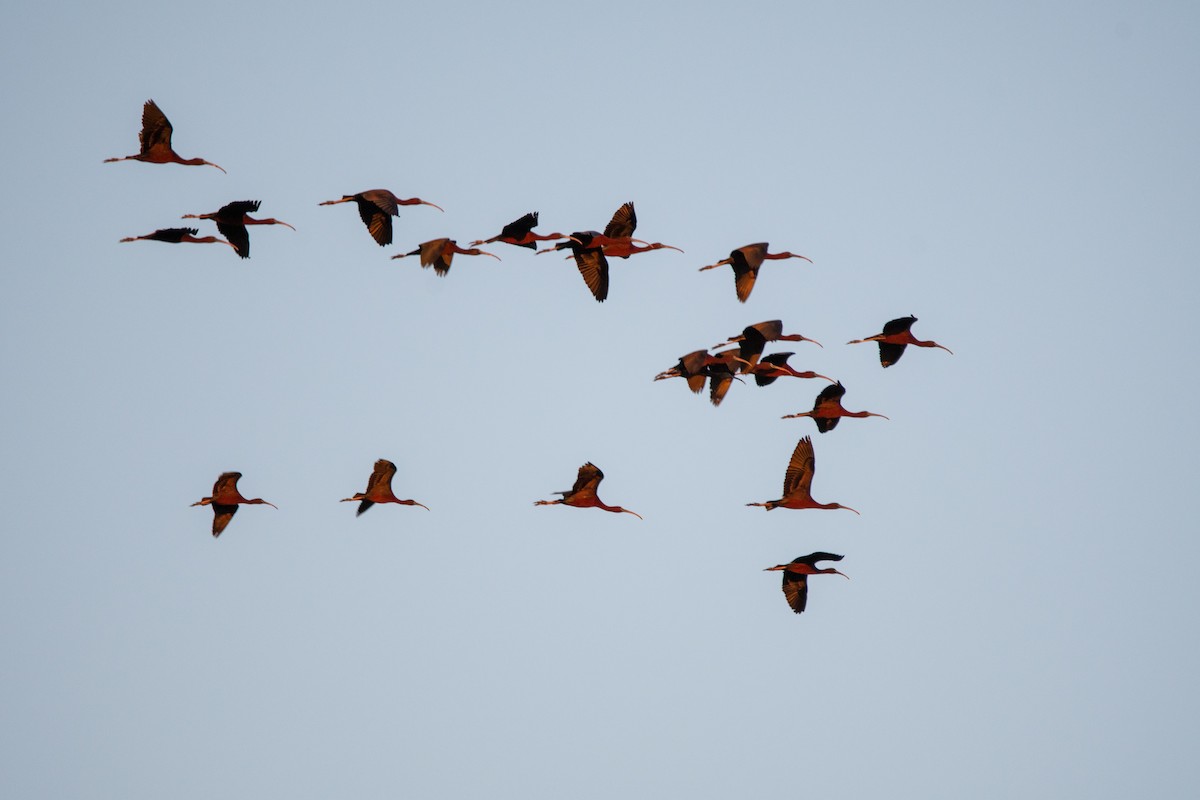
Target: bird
795,576
754,338
797,482
232,220
745,262
587,248
691,367
896,336
177,235
377,207
520,233
583,493
700,365
379,489
774,365
155,140
438,253
827,409
225,501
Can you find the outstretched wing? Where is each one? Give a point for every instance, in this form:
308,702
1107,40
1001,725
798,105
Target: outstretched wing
795,589
890,353
237,235
222,514
799,475
519,229
898,325
588,479
156,129
378,221
593,266
381,477
623,222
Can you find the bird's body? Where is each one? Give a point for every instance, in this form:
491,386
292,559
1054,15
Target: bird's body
691,368
520,233
795,577
177,236
774,365
753,340
624,248
232,220
225,501
587,248
155,141
797,482
377,207
438,253
583,493
897,334
827,409
746,261
379,489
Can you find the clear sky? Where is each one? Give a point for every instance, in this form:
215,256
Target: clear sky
1019,622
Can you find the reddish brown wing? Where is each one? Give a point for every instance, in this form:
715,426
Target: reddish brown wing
381,477
222,514
378,222
588,479
800,469
593,266
743,279
623,222
225,489
795,589
156,130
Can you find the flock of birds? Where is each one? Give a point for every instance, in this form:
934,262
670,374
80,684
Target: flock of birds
590,251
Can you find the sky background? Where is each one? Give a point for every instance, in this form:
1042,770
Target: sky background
1020,619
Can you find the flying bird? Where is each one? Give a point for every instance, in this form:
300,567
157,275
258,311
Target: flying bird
520,233
691,367
746,261
377,207
155,139
587,248
827,409
583,493
774,365
438,253
232,220
897,335
177,235
225,501
797,482
753,339
700,365
795,577
379,489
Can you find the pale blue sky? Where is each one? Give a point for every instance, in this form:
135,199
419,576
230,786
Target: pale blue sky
1019,619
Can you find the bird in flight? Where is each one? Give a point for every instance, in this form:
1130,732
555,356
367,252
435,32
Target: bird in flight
795,577
897,335
438,253
225,501
827,409
583,493
746,261
177,235
155,140
797,482
379,489
232,219
377,207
